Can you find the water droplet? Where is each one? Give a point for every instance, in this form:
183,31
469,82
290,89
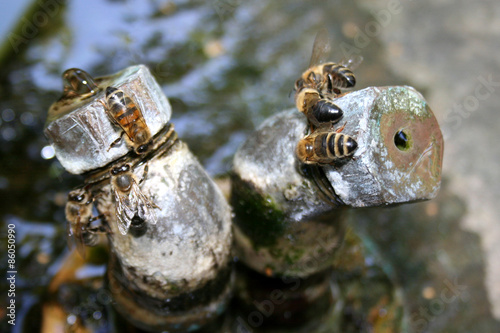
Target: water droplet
97,315
8,115
8,133
27,118
47,152
71,319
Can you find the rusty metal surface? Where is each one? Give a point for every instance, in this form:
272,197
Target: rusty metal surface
380,173
285,208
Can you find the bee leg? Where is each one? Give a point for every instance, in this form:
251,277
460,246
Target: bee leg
336,163
145,174
97,196
329,83
103,227
311,78
117,141
103,104
95,218
340,129
311,128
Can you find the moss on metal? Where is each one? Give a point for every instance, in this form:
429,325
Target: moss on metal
257,215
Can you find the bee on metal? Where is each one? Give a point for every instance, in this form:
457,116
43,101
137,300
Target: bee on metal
318,109
77,82
132,206
321,82
325,147
79,216
125,113
327,77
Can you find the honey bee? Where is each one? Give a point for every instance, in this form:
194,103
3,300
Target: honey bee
324,147
78,82
327,76
125,113
330,76
79,216
318,110
322,81
132,206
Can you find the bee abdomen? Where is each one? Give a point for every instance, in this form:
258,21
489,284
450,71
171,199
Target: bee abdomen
130,113
321,145
340,145
342,77
326,111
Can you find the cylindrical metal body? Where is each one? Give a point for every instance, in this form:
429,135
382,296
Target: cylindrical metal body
289,216
176,274
169,266
285,208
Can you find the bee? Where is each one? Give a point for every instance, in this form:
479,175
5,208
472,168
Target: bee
79,216
77,82
125,113
318,110
330,76
327,77
132,206
325,147
322,81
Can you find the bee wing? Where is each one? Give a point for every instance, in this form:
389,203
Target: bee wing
352,62
75,236
321,48
69,235
108,112
140,122
125,211
145,208
80,244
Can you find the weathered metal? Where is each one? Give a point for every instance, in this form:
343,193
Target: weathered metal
285,210
174,274
81,132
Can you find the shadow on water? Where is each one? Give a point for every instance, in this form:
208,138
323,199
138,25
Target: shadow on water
225,66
